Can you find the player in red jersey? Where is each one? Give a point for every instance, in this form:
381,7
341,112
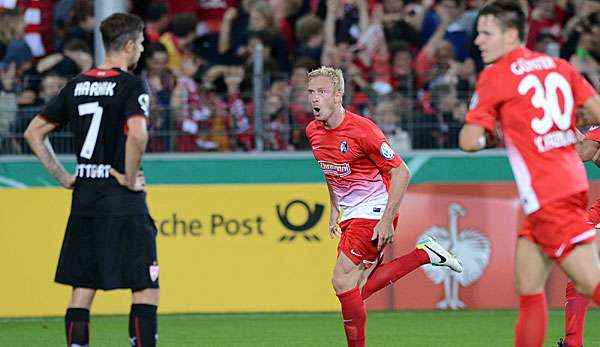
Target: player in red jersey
534,97
576,304
366,181
589,149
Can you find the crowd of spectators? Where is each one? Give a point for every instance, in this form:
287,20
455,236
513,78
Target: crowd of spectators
410,65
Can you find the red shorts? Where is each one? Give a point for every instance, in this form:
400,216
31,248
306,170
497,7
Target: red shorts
559,226
356,241
594,214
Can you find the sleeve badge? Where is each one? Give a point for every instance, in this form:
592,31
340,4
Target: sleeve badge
386,151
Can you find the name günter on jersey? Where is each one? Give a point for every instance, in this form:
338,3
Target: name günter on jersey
521,66
95,88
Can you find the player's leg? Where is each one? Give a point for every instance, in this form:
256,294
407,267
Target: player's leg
77,318
428,251
357,254
532,267
581,265
132,250
143,327
77,268
575,311
345,280
387,273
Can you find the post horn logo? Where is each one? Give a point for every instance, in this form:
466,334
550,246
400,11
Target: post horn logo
313,218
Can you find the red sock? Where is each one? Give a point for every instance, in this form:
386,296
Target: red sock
392,271
533,319
575,309
355,317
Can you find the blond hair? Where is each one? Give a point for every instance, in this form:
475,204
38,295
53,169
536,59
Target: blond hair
335,76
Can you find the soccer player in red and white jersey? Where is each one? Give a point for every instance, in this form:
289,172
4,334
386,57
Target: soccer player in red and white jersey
366,181
534,97
576,304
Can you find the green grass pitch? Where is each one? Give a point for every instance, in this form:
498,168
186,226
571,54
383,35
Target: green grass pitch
401,328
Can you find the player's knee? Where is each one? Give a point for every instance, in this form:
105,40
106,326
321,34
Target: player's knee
341,283
82,298
150,296
526,286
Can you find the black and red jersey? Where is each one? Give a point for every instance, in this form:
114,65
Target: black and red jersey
97,105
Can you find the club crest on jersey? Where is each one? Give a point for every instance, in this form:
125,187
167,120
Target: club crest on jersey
386,151
341,170
344,147
153,271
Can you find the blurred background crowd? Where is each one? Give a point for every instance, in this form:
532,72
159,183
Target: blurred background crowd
410,65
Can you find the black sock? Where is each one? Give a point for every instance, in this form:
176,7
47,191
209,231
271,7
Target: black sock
77,326
142,325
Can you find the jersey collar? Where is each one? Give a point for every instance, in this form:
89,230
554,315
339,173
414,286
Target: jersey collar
102,73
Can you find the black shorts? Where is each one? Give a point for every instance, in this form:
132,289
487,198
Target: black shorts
109,252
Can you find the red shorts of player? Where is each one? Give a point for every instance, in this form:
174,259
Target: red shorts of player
356,241
559,226
594,214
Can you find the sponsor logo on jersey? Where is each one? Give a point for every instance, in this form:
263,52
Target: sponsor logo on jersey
594,127
88,88
337,169
522,66
344,147
386,151
92,170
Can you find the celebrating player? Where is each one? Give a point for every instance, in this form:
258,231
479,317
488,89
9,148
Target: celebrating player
366,181
534,97
110,239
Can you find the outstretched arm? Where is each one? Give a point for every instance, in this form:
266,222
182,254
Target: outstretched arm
37,138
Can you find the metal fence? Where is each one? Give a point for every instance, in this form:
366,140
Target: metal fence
283,128
270,114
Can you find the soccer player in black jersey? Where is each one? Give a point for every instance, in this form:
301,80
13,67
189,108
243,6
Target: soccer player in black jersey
110,238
